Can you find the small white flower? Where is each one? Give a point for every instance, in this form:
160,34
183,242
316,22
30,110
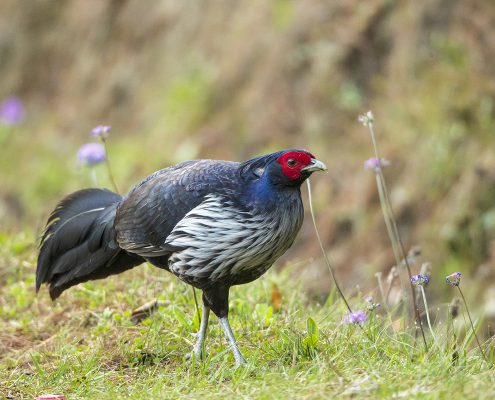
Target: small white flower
366,119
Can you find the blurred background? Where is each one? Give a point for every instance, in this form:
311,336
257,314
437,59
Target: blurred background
188,79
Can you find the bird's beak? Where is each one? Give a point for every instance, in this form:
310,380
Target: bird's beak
315,165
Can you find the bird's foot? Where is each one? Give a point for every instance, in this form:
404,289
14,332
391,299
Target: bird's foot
240,363
198,351
239,359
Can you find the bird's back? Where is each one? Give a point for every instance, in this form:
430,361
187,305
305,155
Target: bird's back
149,212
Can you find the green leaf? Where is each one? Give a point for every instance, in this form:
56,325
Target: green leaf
312,327
179,314
196,320
268,315
313,334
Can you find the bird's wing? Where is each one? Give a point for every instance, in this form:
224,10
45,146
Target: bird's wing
150,211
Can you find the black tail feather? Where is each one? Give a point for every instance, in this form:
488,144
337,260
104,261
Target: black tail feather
79,244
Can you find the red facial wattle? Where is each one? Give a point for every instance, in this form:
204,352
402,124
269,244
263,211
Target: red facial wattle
293,170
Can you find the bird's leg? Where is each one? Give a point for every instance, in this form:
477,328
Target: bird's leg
239,359
198,349
217,298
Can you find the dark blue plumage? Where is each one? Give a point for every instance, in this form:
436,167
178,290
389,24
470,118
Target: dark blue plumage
211,223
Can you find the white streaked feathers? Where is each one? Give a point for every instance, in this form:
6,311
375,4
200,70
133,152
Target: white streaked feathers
220,241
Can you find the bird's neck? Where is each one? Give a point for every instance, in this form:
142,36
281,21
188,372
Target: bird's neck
266,194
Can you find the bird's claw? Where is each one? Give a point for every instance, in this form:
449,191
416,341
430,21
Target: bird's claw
239,359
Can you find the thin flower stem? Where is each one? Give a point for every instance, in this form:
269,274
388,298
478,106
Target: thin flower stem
381,180
471,321
327,261
396,230
109,169
381,194
397,242
389,214
373,140
395,249
325,256
428,318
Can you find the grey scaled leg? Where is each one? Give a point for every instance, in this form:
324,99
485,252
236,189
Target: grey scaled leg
200,341
239,359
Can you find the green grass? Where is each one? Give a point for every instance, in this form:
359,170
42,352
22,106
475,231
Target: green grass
85,346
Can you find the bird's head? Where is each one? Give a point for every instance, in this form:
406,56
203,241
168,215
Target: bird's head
284,168
297,165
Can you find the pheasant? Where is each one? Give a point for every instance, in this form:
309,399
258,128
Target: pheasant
213,224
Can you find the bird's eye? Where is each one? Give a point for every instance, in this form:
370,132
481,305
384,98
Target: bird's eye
291,162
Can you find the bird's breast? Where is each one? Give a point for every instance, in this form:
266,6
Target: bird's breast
220,241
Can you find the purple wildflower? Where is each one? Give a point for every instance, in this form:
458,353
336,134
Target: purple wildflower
454,279
91,153
420,280
374,164
101,131
12,111
356,317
